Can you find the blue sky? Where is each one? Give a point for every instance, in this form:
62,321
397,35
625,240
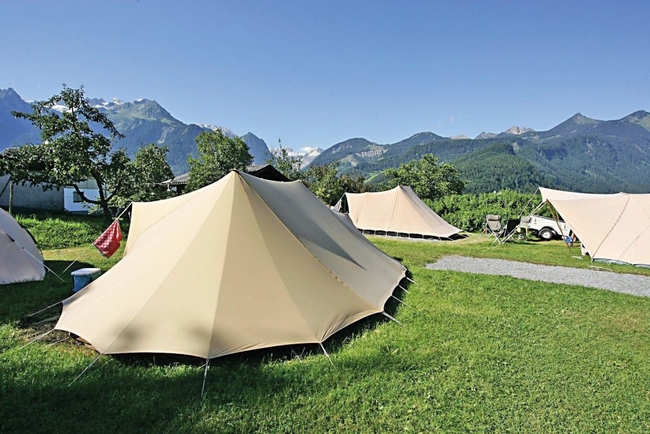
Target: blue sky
314,73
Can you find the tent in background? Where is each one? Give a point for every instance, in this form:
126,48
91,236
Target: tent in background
612,227
20,260
398,211
242,264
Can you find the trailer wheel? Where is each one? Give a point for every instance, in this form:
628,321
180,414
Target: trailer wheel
546,234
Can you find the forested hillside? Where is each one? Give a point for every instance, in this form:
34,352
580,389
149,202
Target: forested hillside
497,168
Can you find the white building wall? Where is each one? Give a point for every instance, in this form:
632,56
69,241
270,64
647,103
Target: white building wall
71,204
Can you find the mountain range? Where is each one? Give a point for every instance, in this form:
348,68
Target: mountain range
579,154
141,122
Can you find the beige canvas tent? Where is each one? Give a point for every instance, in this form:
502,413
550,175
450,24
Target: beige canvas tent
398,211
612,227
20,260
242,264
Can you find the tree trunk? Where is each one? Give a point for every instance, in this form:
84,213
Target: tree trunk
11,197
106,210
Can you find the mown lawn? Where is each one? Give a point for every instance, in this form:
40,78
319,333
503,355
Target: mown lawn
473,354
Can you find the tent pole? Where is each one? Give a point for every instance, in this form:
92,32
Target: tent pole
75,260
47,320
52,271
44,309
403,289
87,367
39,261
390,317
401,302
205,376
124,210
296,354
36,339
557,222
325,351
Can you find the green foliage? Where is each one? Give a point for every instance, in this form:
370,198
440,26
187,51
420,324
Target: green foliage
63,231
146,174
286,164
497,168
468,211
328,185
217,155
73,152
475,354
427,177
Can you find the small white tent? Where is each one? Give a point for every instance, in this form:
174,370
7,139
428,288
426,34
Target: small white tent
242,264
20,260
398,211
612,227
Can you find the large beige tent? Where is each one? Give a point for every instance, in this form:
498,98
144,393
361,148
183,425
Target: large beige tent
20,260
612,227
398,211
242,264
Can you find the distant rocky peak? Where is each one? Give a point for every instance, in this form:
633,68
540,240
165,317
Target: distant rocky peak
485,135
9,94
640,117
226,132
517,131
102,103
579,118
460,137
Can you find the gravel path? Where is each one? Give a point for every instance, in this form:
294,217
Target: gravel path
625,283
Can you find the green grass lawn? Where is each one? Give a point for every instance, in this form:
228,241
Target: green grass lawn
474,353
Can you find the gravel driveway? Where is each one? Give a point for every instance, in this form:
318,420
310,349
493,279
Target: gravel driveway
625,283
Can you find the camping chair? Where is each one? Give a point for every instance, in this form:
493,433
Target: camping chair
510,229
493,226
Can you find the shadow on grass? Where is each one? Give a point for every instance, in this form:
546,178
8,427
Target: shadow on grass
279,353
147,392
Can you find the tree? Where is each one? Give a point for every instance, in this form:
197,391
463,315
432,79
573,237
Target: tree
427,178
217,155
76,146
143,177
288,165
324,181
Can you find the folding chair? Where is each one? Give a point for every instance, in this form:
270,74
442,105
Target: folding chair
493,226
511,229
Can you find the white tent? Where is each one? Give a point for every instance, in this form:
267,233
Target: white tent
242,264
398,211
20,260
612,227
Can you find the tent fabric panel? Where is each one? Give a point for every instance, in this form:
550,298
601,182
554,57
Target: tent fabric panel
16,265
355,261
224,273
149,213
133,298
20,259
612,227
398,210
291,297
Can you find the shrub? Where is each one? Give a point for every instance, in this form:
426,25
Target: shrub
468,211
